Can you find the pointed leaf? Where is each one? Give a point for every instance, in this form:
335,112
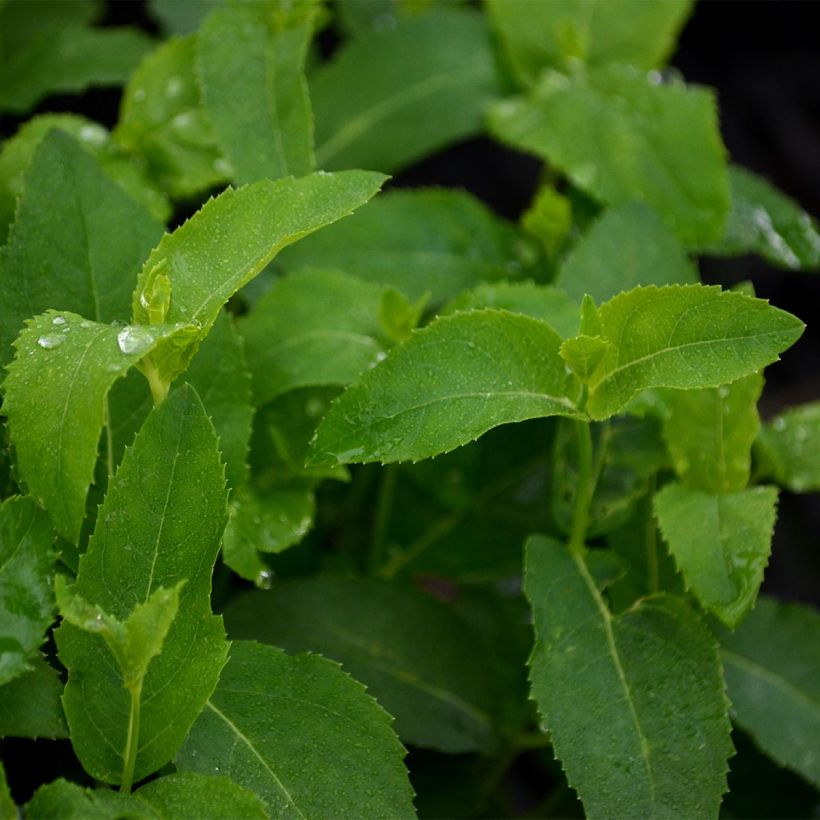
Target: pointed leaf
788,448
368,101
445,386
621,136
67,800
77,243
55,398
161,523
256,94
721,543
642,728
26,599
772,664
30,705
196,795
303,735
583,354
683,336
8,811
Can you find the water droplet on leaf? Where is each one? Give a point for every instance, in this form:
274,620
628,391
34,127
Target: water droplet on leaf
134,340
50,342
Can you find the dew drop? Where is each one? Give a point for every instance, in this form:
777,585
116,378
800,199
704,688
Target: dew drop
173,87
134,339
264,580
779,424
50,342
723,391
58,320
93,134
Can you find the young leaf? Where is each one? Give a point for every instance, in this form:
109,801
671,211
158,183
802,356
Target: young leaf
558,34
642,729
721,543
788,448
26,600
67,800
312,328
427,666
30,704
418,241
267,129
710,432
160,524
181,16
549,218
303,735
437,69
683,336
772,667
55,400
77,243
669,153
445,386
583,353
228,242
626,247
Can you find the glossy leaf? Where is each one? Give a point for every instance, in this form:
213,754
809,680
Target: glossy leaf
312,328
557,34
77,243
721,543
788,448
267,129
642,729
426,665
30,704
368,101
26,599
160,524
683,337
55,400
621,136
303,735
419,241
445,386
710,433
626,247
772,666
64,799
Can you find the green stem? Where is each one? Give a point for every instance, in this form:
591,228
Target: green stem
384,506
585,488
652,571
131,743
159,387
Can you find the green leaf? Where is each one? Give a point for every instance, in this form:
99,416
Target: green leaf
544,302
30,704
620,136
683,336
163,120
765,221
560,33
426,665
710,433
67,800
369,100
160,524
626,247
418,241
276,724
195,795
55,400
788,448
230,240
772,667
26,599
181,16
8,811
256,94
312,328
721,543
77,243
583,354
549,218
642,728
445,386
398,316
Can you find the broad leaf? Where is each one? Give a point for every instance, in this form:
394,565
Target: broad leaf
369,100
55,400
772,667
721,543
788,448
303,735
634,703
626,247
26,599
683,337
312,328
181,16
30,705
419,241
710,433
560,33
425,664
266,130
229,240
64,799
77,243
620,136
160,524
445,386
8,811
